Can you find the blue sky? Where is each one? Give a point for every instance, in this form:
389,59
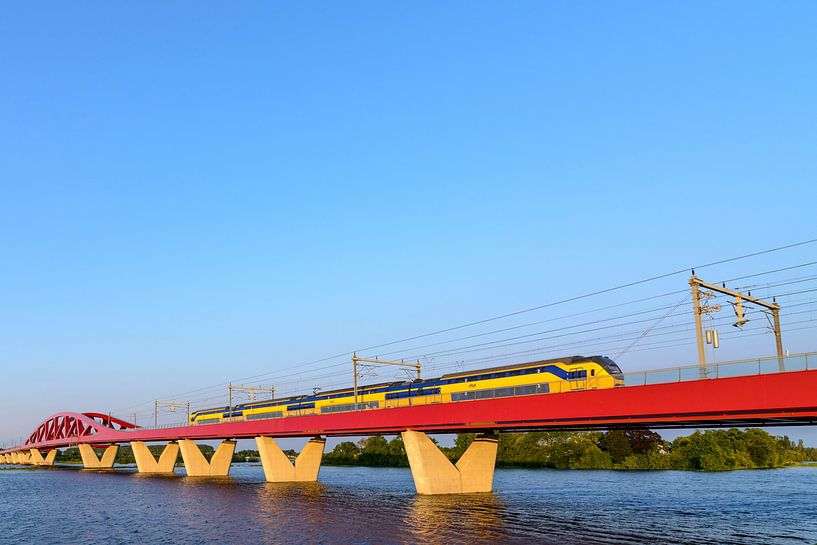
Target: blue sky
191,194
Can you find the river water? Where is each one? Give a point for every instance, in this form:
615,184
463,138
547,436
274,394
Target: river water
379,506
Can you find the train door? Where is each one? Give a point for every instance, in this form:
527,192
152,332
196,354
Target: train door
577,377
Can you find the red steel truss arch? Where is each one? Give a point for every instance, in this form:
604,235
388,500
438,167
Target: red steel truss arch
71,427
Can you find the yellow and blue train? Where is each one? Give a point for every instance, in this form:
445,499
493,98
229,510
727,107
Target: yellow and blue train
538,377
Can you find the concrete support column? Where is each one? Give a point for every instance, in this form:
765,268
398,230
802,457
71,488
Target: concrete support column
196,465
434,474
146,462
24,457
51,457
38,460
278,468
15,458
90,459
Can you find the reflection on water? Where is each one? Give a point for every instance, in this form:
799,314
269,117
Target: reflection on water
273,493
473,518
379,506
274,502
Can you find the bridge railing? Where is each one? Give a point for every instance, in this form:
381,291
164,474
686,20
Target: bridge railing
737,368
159,426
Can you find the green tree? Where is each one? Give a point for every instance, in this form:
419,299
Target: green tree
344,454
461,443
617,444
761,448
377,451
642,440
246,456
594,458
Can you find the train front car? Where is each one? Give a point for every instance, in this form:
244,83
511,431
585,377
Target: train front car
538,377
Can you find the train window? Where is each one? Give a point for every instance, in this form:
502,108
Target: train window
262,416
592,372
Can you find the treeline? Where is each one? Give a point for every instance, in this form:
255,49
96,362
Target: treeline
125,454
618,449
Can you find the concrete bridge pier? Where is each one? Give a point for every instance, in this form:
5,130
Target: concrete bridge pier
24,458
15,458
90,459
7,458
278,468
434,474
196,465
39,460
147,463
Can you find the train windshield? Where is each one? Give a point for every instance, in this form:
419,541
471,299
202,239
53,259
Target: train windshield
611,366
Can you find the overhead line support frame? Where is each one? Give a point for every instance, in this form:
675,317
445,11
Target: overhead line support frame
356,360
696,284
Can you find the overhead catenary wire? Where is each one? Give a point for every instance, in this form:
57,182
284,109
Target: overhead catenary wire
647,331
507,315
663,344
587,343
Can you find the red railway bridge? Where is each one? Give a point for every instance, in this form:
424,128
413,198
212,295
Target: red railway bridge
748,393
